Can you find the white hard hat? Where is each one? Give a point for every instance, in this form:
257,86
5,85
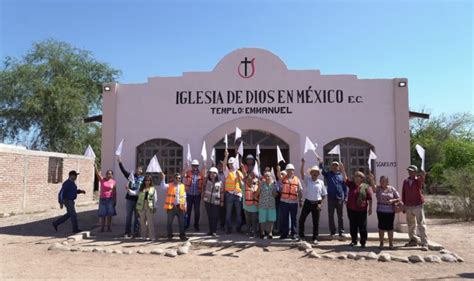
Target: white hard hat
314,168
290,167
195,162
250,156
213,170
231,160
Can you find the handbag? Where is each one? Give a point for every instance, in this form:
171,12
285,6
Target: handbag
398,207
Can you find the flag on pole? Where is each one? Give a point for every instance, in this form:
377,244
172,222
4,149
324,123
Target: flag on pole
204,152
336,150
258,151
213,155
372,156
226,141
237,162
89,152
238,134
131,178
308,145
189,158
255,170
118,152
153,166
273,174
421,153
279,155
241,149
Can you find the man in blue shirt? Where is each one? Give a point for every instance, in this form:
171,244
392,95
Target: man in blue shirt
66,197
336,194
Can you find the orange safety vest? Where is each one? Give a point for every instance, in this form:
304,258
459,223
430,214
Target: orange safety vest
289,190
232,183
171,197
189,180
251,198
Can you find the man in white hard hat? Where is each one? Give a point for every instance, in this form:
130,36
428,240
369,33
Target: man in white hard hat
193,180
291,197
233,193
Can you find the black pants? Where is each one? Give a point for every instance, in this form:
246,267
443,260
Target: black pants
193,201
335,205
176,211
212,216
312,207
358,223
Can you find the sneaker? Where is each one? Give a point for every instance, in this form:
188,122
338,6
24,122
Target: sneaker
315,242
352,244
77,230
270,236
209,234
183,238
331,236
301,238
293,237
214,234
262,236
55,227
424,247
283,236
341,234
362,245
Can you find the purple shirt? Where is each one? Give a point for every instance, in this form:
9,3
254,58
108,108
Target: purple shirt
384,197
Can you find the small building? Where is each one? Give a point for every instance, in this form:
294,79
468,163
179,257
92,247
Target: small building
254,90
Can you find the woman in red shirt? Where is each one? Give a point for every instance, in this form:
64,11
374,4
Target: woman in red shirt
359,204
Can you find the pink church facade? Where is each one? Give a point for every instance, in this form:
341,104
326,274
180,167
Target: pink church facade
254,90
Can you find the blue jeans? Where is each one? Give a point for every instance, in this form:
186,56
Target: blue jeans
131,208
176,211
71,213
193,200
233,201
288,210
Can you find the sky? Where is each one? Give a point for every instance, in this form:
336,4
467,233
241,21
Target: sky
427,41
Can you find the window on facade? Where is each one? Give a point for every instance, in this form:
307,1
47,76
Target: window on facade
354,155
169,154
55,170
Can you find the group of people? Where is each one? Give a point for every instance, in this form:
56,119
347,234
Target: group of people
237,195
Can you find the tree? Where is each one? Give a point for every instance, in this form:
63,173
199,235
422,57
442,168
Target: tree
46,94
435,135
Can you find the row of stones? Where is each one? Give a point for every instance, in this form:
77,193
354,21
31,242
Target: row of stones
182,250
446,256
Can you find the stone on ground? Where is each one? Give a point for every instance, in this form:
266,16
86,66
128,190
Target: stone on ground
171,253
157,251
448,258
183,250
432,259
372,256
304,245
415,258
384,257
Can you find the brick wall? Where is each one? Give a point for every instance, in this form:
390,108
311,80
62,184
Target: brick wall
30,180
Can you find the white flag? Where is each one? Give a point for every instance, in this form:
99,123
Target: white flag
189,158
237,163
213,155
258,151
226,141
256,170
118,152
204,152
421,153
371,157
153,166
279,155
308,145
336,150
131,178
238,134
241,149
89,152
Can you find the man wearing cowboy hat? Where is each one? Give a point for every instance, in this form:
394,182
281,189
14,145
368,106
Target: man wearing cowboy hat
314,193
412,197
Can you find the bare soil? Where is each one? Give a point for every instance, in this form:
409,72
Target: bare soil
24,240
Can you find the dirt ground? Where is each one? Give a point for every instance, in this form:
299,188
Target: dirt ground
24,240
